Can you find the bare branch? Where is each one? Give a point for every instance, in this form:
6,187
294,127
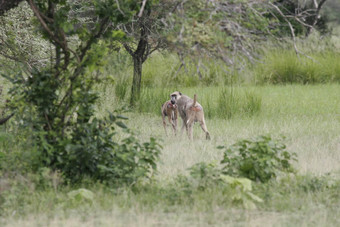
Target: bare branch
62,43
292,32
140,14
117,2
128,49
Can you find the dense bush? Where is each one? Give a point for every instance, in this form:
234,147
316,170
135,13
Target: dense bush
89,152
92,152
259,159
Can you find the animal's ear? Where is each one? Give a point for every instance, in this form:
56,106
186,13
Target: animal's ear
180,93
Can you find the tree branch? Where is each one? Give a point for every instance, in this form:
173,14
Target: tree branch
128,49
140,14
4,120
291,30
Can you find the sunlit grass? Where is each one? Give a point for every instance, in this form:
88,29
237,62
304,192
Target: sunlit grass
308,116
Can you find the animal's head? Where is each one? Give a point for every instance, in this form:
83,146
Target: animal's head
175,96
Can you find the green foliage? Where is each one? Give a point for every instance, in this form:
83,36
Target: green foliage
231,103
91,152
60,99
259,159
284,66
294,192
206,176
151,100
22,47
81,195
121,89
208,28
19,200
218,102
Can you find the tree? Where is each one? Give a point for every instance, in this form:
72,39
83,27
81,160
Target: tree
225,30
146,33
231,30
20,45
60,98
314,17
303,16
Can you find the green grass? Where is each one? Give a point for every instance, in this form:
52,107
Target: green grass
308,116
317,63
284,66
218,102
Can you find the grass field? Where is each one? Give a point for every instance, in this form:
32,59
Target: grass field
309,118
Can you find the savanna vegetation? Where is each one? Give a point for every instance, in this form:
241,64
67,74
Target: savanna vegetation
81,136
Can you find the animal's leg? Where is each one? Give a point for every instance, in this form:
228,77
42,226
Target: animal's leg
175,121
204,128
183,126
190,130
170,118
190,124
164,125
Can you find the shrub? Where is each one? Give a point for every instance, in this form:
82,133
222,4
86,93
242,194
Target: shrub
92,152
207,176
88,152
259,159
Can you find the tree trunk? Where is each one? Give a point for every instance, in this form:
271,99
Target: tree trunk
139,56
137,78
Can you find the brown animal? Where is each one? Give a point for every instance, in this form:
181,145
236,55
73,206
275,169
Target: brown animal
190,111
169,110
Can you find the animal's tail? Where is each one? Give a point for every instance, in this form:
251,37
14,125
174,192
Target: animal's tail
195,99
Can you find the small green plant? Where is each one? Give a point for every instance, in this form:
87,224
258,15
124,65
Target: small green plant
81,195
121,89
259,159
207,176
252,104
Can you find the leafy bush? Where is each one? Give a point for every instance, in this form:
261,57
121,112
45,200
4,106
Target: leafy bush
259,159
204,175
207,176
92,152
